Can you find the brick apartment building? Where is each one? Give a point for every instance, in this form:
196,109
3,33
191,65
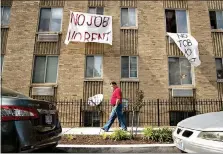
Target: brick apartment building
36,62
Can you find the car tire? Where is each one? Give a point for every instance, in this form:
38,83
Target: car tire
182,151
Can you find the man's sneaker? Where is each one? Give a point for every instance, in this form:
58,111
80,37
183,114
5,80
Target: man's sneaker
104,129
125,129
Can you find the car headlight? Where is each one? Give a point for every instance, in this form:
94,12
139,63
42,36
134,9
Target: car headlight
214,136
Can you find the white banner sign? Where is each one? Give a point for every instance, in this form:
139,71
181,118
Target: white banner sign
188,45
85,27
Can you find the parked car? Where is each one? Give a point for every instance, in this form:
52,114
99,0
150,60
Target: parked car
27,124
202,133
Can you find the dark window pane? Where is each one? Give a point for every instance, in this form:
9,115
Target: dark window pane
213,21
97,66
181,17
133,67
92,10
132,17
100,10
174,71
57,14
219,68
5,15
39,70
89,66
219,17
51,71
125,67
171,21
124,17
185,71
44,24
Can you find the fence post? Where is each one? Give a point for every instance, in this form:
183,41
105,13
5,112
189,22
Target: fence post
80,113
194,107
158,112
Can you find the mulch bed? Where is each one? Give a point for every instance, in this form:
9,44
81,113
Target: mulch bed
97,140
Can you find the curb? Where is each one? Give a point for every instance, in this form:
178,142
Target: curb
134,148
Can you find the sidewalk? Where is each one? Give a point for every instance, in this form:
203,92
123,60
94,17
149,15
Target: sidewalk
95,130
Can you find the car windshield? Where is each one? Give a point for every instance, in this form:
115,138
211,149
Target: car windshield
5,92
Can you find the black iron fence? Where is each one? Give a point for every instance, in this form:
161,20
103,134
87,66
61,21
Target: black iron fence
78,113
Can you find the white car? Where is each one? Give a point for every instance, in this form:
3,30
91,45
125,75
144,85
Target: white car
201,133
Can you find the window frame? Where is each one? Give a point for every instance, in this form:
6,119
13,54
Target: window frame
95,7
192,73
218,80
2,63
2,25
85,71
214,10
187,16
45,68
136,14
39,19
129,67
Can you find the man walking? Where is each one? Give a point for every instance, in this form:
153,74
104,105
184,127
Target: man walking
116,102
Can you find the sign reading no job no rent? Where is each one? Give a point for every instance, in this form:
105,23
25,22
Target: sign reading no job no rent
188,45
85,27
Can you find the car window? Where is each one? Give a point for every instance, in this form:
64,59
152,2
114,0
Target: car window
5,92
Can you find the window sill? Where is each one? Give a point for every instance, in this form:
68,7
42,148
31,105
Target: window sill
5,26
44,85
219,80
93,79
182,86
217,30
135,28
49,33
130,79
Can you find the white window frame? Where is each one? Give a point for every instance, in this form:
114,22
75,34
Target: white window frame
46,69
95,7
38,27
187,14
85,72
218,80
192,74
136,14
137,58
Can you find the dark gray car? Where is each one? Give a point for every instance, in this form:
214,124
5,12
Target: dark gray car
27,124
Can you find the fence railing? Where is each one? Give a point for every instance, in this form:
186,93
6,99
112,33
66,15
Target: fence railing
78,113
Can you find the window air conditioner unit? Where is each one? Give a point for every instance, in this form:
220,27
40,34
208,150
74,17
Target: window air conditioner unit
171,41
43,91
182,92
48,37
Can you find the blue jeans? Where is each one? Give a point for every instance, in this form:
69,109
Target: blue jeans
116,112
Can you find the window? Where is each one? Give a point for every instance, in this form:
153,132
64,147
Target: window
5,14
219,68
128,17
93,67
177,116
129,68
96,10
176,21
2,59
216,19
179,71
91,119
50,19
45,69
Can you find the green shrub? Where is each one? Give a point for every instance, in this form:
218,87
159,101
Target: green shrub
117,135
69,136
158,135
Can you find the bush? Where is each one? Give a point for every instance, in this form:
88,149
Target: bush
158,135
117,135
